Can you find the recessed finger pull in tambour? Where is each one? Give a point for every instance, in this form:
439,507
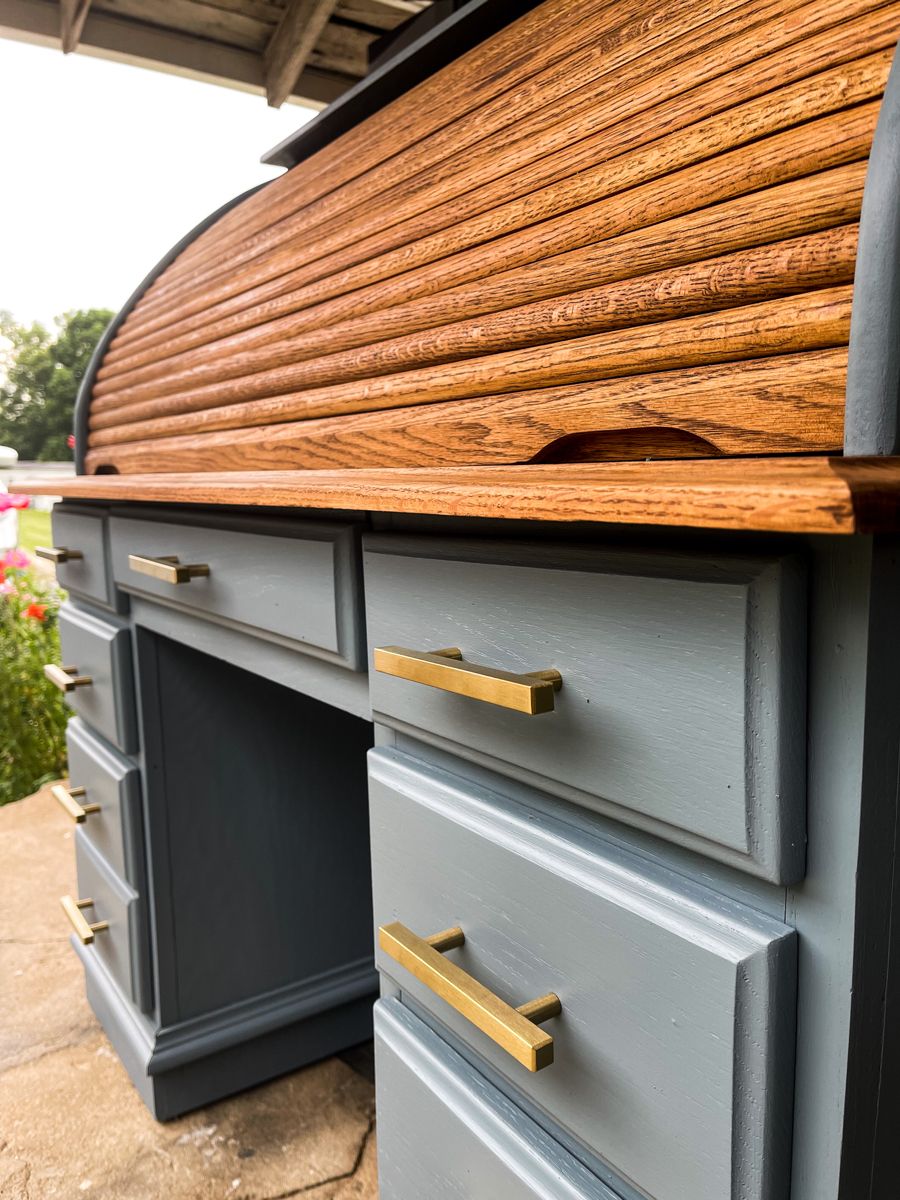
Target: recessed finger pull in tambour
515,1030
532,693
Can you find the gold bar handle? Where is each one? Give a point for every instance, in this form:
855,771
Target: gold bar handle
84,929
515,1030
66,679
532,694
167,568
66,797
57,554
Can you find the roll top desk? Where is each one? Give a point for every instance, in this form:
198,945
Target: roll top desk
483,574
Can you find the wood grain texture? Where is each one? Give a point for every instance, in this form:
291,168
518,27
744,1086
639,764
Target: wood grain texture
788,495
832,141
812,320
818,202
603,37
782,268
608,87
626,210
856,83
473,174
789,403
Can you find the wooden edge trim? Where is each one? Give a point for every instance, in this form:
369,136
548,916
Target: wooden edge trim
787,495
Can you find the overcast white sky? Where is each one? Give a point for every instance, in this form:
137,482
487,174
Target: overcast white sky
104,166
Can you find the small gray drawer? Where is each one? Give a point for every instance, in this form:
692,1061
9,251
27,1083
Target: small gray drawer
682,706
444,1132
123,947
101,649
114,783
294,581
673,1054
85,533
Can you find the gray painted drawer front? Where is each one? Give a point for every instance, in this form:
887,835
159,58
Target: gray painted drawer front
86,576
674,1050
445,1133
101,649
301,586
123,947
113,783
682,705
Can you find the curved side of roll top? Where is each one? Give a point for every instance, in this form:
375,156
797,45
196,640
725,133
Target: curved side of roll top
872,419
85,391
651,230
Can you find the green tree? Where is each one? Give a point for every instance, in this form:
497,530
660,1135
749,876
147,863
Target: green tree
39,380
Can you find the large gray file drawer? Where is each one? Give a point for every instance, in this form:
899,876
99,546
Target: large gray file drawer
84,533
682,706
114,783
674,1050
445,1133
101,650
123,946
295,580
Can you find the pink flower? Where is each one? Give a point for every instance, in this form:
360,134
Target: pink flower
10,500
14,560
7,588
70,441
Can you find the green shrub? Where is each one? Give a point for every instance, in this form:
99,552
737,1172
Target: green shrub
32,712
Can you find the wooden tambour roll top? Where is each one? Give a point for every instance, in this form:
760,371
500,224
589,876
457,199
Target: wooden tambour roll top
614,230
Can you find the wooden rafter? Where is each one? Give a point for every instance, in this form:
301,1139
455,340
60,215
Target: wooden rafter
291,45
72,16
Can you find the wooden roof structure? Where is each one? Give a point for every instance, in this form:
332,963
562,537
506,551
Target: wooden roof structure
307,51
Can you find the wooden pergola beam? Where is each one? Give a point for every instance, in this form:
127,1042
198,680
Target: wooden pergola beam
291,45
72,16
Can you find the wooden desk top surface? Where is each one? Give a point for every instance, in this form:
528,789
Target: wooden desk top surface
787,495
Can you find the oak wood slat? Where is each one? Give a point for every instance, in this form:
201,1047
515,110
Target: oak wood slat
464,175
835,89
560,55
485,71
594,110
636,241
816,261
793,403
813,203
808,321
787,495
830,141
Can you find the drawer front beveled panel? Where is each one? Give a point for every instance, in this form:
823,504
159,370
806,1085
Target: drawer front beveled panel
301,585
101,650
682,705
85,534
113,783
674,1048
122,946
445,1132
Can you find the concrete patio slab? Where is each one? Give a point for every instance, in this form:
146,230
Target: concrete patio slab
71,1124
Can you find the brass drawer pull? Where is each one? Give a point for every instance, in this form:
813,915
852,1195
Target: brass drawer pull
515,1030
66,679
84,929
532,693
167,568
66,797
57,554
